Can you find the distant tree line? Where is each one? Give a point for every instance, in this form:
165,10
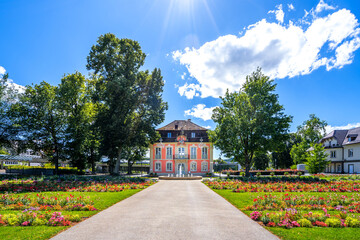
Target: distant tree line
112,113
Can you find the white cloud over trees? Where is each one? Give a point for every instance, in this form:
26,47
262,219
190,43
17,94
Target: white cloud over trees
200,111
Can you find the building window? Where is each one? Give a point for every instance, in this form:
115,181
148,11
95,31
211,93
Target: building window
169,166
350,153
193,152
350,139
169,153
333,154
338,168
158,166
181,153
204,166
169,135
157,153
193,167
192,134
204,153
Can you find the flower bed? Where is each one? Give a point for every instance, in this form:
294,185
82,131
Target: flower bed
266,172
306,202
292,218
31,218
239,186
40,202
68,186
35,170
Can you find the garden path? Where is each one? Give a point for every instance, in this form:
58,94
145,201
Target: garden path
175,209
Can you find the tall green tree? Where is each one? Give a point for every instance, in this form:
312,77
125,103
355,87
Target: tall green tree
8,96
41,120
250,121
310,132
131,99
80,112
316,159
299,152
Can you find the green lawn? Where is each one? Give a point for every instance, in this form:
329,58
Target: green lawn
102,200
241,200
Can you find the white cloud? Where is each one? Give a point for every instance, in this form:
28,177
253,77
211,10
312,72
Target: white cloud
18,88
200,111
323,6
207,127
330,128
189,90
279,13
10,83
2,70
281,50
291,7
183,76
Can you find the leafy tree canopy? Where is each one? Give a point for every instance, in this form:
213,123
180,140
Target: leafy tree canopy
131,99
75,94
316,159
250,121
310,132
41,120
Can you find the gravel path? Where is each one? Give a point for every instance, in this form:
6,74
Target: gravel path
169,210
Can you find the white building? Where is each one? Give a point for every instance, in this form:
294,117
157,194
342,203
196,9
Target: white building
343,149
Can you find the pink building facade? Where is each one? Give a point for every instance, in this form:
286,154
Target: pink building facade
183,149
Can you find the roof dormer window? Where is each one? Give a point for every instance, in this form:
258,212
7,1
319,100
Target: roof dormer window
176,127
350,139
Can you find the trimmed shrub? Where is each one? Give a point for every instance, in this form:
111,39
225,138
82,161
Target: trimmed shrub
352,222
333,222
39,222
304,223
74,218
11,219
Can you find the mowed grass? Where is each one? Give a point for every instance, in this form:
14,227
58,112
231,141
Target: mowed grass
102,200
241,200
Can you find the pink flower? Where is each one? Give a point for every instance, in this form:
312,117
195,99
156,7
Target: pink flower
26,223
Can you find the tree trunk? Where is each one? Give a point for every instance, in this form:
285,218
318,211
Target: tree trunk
93,166
247,170
111,165
92,161
117,165
129,167
247,166
56,159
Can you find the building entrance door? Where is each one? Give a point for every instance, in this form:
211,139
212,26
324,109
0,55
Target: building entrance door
351,168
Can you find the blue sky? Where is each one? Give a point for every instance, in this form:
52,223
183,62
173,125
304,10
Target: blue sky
202,47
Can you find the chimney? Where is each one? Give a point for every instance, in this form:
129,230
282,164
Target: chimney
189,120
